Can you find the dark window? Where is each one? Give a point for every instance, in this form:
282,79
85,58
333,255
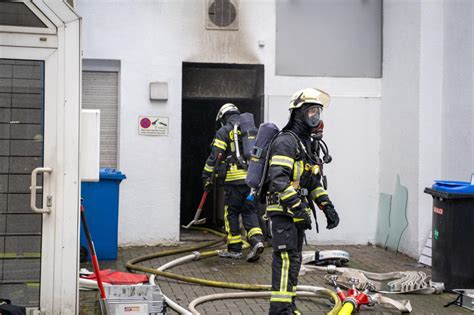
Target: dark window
18,14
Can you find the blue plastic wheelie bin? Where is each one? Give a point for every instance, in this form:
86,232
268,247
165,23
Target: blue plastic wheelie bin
101,205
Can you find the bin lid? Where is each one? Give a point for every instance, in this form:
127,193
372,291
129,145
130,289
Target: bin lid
110,173
449,189
453,187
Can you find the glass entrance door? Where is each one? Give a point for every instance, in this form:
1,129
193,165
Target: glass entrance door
21,151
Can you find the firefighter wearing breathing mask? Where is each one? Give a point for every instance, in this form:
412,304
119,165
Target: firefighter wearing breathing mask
235,190
293,181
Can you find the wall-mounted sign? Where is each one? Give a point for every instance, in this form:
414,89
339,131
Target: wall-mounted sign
153,125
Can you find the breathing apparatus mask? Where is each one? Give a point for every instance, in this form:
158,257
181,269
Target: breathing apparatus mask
312,115
307,117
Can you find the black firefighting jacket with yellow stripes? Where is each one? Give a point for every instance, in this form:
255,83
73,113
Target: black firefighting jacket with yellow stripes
294,178
223,142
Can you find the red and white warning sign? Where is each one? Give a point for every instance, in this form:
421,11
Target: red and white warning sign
153,125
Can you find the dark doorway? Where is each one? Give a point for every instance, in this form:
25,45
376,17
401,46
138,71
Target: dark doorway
206,87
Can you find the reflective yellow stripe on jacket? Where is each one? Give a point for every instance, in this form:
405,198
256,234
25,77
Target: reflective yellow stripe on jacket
208,168
298,168
278,208
287,193
219,143
318,192
282,160
237,174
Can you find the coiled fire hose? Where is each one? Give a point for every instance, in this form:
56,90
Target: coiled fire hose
353,299
406,281
132,265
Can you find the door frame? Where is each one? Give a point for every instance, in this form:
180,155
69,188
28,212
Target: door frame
257,96
61,54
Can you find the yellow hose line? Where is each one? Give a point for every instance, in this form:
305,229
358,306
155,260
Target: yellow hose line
210,283
346,309
132,262
131,265
335,300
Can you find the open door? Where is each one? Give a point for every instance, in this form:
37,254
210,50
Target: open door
206,87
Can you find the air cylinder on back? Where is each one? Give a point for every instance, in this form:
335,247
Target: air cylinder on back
249,134
265,134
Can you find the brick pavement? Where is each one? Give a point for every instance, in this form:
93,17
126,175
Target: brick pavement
367,258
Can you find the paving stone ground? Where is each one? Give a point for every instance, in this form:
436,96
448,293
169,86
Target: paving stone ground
367,258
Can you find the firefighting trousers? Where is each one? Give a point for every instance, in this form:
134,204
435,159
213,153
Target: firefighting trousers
287,245
235,205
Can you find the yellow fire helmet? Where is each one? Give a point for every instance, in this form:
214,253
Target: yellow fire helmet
226,108
309,95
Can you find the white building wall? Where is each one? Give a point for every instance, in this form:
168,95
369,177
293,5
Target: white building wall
419,125
152,39
426,115
431,99
458,87
400,108
427,58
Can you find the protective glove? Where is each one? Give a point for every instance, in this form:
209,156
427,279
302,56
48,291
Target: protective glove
301,213
332,217
206,184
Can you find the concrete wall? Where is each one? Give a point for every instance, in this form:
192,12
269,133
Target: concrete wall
400,106
457,114
431,99
426,115
152,39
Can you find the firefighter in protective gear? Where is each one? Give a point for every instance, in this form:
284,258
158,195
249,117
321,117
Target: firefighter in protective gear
293,181
235,189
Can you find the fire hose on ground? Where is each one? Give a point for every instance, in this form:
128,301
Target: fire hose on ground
132,265
405,281
308,291
344,303
303,290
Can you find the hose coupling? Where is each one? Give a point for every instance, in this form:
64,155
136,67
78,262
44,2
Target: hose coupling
371,300
331,269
